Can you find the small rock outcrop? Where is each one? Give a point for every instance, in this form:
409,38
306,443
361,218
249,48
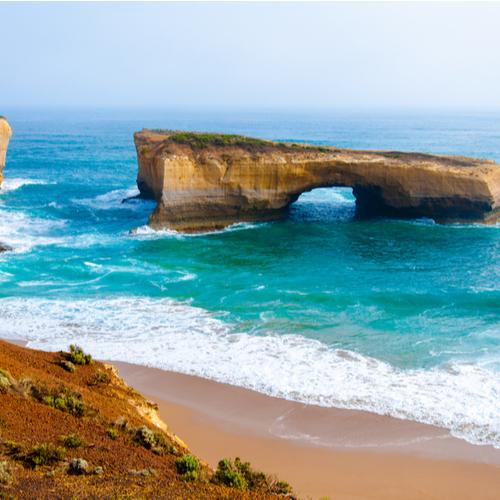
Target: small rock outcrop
5,133
205,182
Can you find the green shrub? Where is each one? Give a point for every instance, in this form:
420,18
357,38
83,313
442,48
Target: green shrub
145,437
112,433
242,476
100,378
45,454
68,404
254,479
62,399
229,475
188,466
153,441
189,476
280,488
72,441
77,356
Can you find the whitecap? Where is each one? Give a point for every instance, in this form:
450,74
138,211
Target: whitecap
462,397
11,184
112,200
92,265
22,232
146,232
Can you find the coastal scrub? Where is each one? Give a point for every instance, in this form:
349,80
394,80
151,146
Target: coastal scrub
188,467
45,454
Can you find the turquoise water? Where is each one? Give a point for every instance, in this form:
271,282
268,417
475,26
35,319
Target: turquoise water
395,317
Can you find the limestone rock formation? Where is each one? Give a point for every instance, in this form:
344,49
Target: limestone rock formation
208,181
5,133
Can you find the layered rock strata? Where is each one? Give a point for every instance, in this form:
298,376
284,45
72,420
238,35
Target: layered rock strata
204,182
5,133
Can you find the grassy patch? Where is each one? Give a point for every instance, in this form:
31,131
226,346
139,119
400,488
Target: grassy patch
202,141
394,154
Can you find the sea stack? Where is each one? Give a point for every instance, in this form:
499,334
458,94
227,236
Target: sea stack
5,133
204,182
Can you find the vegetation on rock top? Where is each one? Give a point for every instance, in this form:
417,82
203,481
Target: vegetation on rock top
205,140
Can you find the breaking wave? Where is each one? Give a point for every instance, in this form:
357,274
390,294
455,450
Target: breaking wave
177,336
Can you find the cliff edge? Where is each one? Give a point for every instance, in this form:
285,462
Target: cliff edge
208,181
71,428
5,133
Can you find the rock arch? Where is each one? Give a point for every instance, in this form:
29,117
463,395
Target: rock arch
208,181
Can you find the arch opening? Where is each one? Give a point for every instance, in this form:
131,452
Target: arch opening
324,204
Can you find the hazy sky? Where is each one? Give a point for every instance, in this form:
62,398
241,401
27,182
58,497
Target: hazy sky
258,55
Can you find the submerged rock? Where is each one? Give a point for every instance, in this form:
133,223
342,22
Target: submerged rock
4,248
208,181
5,133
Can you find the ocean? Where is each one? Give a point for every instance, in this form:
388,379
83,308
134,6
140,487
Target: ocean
395,317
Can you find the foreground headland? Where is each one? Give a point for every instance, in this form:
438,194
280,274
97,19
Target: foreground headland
208,181
71,428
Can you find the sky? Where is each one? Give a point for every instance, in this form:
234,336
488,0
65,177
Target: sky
250,55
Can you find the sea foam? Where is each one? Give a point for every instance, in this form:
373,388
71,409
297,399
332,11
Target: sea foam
23,232
112,200
12,184
167,334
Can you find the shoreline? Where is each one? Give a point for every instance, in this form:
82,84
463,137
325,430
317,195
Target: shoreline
345,454
324,453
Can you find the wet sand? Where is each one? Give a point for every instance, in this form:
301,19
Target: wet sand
322,452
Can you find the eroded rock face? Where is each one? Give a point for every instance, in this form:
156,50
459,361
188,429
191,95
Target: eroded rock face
5,133
208,181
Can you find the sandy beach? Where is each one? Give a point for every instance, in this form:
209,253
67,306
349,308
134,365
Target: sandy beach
323,452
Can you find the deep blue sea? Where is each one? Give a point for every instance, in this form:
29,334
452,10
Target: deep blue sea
396,317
